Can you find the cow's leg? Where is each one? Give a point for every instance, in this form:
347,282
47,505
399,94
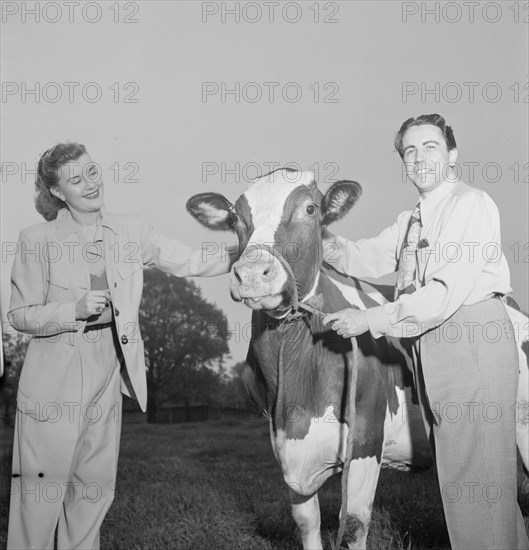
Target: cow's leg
522,407
361,488
521,333
306,514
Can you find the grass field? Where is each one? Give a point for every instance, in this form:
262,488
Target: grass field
216,486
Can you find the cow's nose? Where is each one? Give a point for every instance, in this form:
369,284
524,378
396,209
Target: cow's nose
248,274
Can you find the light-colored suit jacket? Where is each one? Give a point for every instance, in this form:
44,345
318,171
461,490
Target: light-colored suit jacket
50,275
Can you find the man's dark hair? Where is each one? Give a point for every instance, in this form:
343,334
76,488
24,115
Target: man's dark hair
435,120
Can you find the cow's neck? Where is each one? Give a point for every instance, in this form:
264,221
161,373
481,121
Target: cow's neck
314,359
295,313
316,367
312,291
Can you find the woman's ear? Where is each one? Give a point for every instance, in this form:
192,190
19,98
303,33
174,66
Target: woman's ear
56,193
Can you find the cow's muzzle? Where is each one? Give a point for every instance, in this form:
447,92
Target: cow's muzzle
260,281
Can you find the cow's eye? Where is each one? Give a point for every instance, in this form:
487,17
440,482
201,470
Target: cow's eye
310,209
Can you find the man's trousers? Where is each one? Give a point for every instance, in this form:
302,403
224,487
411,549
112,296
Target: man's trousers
467,379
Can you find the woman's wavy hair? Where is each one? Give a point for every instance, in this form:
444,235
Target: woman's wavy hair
48,175
434,120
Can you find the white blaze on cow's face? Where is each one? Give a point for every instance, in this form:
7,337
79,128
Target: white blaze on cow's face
273,207
266,198
278,222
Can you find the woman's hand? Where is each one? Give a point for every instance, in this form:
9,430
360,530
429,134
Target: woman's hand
92,303
348,322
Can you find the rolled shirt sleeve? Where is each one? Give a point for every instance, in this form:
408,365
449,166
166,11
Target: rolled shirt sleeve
464,266
366,257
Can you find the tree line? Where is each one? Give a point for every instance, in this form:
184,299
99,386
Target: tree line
186,347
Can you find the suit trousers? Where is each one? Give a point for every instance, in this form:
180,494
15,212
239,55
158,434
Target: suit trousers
64,468
467,377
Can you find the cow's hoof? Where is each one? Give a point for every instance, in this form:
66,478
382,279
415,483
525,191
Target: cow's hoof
355,533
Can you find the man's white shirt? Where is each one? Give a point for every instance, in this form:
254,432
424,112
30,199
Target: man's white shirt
459,260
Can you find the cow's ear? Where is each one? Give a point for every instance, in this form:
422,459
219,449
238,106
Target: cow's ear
339,199
212,210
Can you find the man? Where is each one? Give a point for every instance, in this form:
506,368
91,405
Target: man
451,275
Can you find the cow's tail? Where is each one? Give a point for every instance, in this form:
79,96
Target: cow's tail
351,400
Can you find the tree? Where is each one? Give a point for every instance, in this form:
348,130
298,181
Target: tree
183,334
15,345
234,392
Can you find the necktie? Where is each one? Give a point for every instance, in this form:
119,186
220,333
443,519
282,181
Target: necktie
408,257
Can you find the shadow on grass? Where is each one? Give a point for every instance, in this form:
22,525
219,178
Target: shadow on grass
216,485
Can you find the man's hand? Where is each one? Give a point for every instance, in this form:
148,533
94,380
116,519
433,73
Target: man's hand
348,322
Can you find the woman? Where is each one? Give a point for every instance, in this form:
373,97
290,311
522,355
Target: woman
76,288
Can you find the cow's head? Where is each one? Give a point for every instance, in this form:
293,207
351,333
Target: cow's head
279,222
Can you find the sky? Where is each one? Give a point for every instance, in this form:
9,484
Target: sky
174,98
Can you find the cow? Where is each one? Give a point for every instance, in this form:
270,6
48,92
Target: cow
298,370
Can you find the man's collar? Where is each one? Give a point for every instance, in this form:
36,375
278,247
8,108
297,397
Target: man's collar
65,224
432,201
